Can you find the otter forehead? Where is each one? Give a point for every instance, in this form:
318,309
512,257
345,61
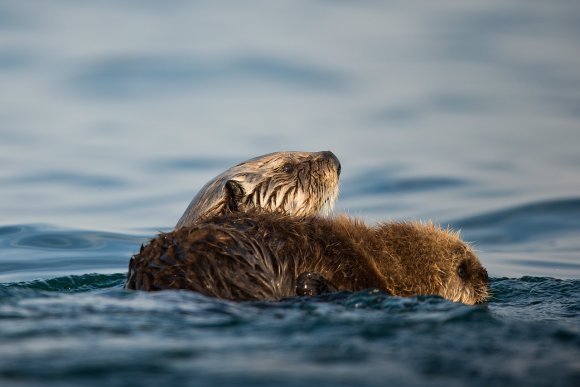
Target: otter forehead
271,162
276,156
425,239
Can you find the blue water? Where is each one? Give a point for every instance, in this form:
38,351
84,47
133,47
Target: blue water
114,113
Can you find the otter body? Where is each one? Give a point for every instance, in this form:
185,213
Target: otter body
293,183
271,256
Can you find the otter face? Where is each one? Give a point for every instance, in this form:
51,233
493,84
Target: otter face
294,183
422,258
467,280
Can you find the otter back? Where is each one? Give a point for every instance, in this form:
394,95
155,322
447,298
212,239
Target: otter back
270,256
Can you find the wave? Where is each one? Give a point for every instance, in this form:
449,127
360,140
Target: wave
384,181
522,223
503,289
39,251
122,76
93,337
70,283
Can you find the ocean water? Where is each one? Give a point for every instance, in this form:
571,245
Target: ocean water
114,113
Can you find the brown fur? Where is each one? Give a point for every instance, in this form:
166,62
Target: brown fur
293,183
260,257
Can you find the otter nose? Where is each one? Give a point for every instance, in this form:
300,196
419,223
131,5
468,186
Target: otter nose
331,157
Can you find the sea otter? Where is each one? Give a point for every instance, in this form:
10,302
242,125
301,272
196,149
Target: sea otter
272,256
294,183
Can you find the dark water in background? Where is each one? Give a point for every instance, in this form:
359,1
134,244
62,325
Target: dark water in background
113,114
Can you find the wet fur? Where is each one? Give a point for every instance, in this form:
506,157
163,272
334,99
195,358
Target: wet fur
294,183
265,257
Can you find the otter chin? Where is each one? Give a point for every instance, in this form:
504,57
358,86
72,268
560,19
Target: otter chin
293,183
258,256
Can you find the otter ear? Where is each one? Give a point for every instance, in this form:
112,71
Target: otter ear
235,193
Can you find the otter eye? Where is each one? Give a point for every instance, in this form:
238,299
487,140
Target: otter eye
288,168
462,271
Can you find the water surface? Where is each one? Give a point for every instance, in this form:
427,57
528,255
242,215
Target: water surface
114,113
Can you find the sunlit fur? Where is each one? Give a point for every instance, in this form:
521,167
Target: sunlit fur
294,183
436,253
260,256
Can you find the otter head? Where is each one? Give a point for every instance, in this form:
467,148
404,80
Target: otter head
431,260
293,183
466,280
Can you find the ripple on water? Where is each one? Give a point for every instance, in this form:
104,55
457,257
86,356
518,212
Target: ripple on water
44,251
385,181
49,237
73,283
93,331
144,76
523,223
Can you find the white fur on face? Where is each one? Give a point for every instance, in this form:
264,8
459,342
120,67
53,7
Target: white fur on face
310,188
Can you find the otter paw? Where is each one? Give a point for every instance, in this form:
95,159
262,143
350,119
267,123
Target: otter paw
313,284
